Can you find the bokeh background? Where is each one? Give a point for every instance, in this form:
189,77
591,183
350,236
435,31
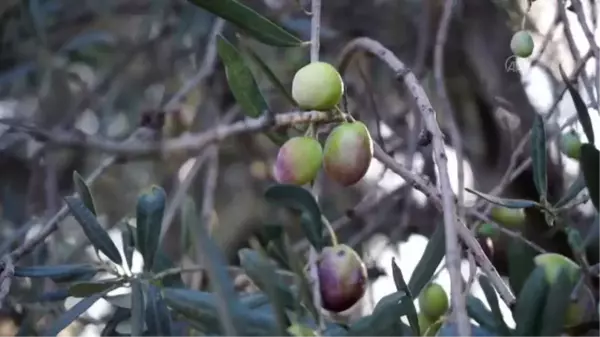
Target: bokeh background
97,66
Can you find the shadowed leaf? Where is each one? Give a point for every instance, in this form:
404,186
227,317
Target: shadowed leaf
492,299
250,21
300,199
538,156
576,187
84,192
93,230
590,165
58,273
411,314
431,259
128,239
580,107
149,213
506,202
263,275
530,304
480,314
158,318
555,310
137,308
72,314
520,263
84,289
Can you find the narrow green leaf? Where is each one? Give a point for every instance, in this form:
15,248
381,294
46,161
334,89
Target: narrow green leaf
137,308
580,107
240,80
490,295
300,199
244,88
263,275
530,304
93,230
590,165
386,314
84,289
220,281
58,273
270,75
478,312
198,306
593,235
120,315
520,263
506,202
158,317
297,267
72,314
431,259
161,263
413,319
559,296
84,192
538,156
576,187
250,21
149,214
128,244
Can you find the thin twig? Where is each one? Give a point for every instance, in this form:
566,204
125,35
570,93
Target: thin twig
441,159
315,44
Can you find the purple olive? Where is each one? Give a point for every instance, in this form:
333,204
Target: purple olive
298,161
348,153
342,278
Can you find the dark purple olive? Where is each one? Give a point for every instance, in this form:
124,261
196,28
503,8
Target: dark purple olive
342,278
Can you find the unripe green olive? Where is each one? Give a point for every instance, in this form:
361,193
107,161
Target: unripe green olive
317,86
553,263
424,322
513,218
570,145
342,278
433,301
298,161
348,153
521,44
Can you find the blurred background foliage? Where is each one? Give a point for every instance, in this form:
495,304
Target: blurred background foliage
98,66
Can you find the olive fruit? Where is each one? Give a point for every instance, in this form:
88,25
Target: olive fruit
513,218
570,145
424,323
521,44
553,263
298,161
342,278
347,153
433,301
317,86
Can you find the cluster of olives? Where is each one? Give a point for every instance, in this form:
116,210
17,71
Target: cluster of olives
434,303
348,149
521,44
